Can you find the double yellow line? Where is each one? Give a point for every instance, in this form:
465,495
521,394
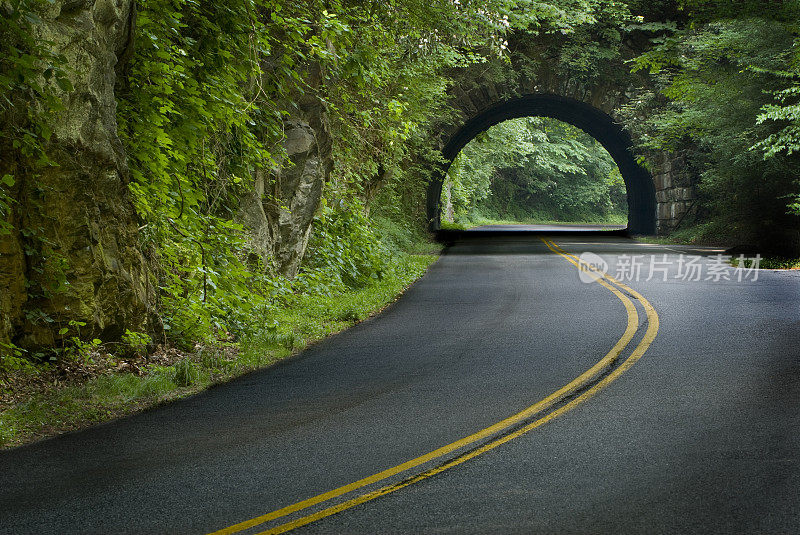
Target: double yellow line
507,429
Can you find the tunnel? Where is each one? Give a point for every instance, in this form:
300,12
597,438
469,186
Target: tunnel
641,194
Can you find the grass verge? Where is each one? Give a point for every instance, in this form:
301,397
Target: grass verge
38,403
699,234
705,235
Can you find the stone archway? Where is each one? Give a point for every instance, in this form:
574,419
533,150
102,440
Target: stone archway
641,192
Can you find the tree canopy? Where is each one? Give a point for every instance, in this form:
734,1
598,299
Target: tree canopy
725,92
534,168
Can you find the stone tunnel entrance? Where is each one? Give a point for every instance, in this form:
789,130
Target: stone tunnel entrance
638,182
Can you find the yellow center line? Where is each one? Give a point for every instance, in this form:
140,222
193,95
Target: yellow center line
572,386
653,322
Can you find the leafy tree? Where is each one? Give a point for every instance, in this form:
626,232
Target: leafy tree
201,109
535,168
717,79
785,111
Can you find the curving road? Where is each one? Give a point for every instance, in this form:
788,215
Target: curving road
501,394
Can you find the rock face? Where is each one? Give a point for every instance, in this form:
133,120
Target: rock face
297,189
281,208
74,254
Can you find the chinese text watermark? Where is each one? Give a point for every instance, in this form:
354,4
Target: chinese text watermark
665,267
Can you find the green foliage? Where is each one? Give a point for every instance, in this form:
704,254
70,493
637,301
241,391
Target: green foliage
343,251
13,359
75,348
535,168
186,116
720,76
135,342
589,53
32,79
785,112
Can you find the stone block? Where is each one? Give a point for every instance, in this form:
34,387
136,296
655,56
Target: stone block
662,181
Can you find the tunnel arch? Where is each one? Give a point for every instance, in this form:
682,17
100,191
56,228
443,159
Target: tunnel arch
641,192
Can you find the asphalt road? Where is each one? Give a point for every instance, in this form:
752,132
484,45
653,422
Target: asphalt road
696,430
553,227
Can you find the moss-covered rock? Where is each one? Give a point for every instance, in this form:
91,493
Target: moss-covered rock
74,253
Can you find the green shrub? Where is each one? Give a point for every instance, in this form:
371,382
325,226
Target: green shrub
135,342
344,246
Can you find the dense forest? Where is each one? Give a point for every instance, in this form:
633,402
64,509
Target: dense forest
191,174
534,169
724,88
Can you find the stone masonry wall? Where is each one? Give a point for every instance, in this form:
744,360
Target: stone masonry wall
675,190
